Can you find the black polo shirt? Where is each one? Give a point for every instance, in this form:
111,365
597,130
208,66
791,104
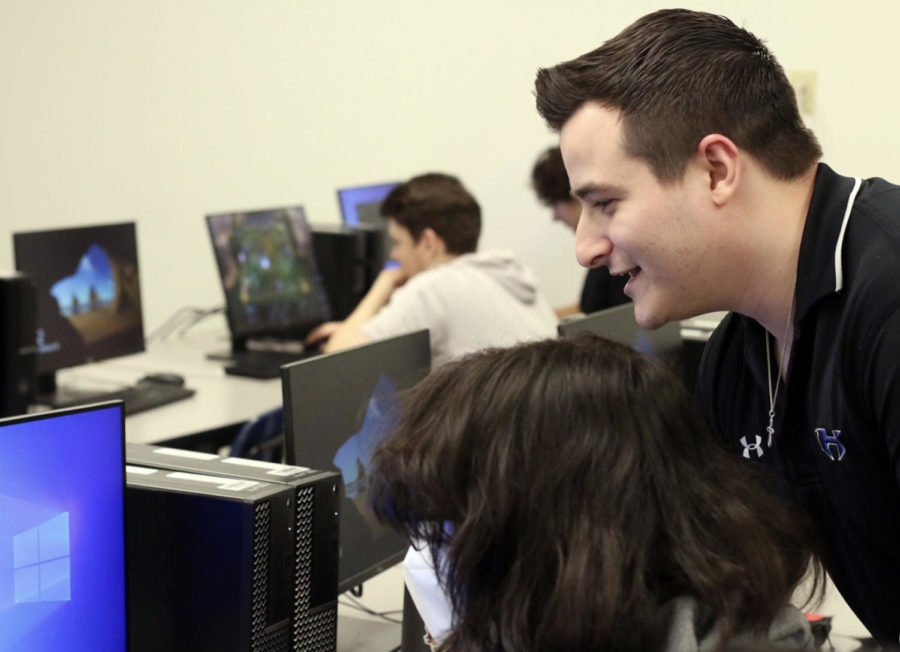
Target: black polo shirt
601,291
836,448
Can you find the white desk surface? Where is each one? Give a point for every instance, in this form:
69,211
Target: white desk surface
699,328
221,400
362,632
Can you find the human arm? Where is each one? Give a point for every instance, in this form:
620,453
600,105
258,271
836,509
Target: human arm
349,332
322,332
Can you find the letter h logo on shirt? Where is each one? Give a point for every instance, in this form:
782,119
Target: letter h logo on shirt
830,444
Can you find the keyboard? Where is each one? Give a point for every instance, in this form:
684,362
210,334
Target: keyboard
265,364
144,395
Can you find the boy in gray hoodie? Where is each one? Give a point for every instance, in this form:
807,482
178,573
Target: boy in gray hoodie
467,300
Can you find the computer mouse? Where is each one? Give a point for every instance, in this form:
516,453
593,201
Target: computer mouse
163,378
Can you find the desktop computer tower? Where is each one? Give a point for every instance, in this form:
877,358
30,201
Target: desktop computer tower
18,353
314,530
378,248
349,258
229,564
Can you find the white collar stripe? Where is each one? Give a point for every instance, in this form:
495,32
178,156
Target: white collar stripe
838,265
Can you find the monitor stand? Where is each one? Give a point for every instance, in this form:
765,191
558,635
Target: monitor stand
47,392
45,384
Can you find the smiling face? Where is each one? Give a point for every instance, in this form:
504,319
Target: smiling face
634,224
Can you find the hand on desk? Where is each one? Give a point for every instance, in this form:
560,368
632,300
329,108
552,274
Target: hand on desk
347,333
322,332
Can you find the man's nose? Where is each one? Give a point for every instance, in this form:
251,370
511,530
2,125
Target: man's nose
592,246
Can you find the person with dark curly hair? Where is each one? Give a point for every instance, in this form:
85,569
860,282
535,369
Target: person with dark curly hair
575,499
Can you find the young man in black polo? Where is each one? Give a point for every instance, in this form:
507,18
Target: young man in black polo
699,181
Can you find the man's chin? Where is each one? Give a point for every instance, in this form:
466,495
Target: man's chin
648,319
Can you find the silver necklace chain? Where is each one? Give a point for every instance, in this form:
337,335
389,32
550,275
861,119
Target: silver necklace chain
774,395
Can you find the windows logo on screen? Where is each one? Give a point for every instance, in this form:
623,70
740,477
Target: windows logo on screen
41,562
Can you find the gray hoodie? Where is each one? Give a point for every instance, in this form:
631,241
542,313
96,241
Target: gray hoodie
693,628
475,301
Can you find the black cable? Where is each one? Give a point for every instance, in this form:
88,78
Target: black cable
168,325
182,320
199,316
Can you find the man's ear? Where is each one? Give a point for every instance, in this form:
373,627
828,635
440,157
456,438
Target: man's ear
432,243
720,158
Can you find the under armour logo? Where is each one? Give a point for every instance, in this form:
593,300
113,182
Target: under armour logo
830,444
756,447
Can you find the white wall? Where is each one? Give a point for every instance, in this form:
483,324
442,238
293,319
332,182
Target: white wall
161,111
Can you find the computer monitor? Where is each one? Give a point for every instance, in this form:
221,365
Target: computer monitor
269,274
361,208
337,407
62,537
618,324
362,204
88,294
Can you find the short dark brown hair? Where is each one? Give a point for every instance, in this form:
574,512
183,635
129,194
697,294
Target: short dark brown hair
550,179
677,75
568,487
439,202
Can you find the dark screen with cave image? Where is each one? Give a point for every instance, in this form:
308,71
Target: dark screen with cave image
88,293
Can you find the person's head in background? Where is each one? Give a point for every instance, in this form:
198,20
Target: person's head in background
551,184
677,121
431,219
568,505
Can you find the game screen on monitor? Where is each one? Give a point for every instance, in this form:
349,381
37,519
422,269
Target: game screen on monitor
268,271
362,204
62,540
88,293
337,407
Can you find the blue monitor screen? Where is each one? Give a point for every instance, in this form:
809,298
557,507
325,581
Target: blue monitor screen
62,539
362,205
